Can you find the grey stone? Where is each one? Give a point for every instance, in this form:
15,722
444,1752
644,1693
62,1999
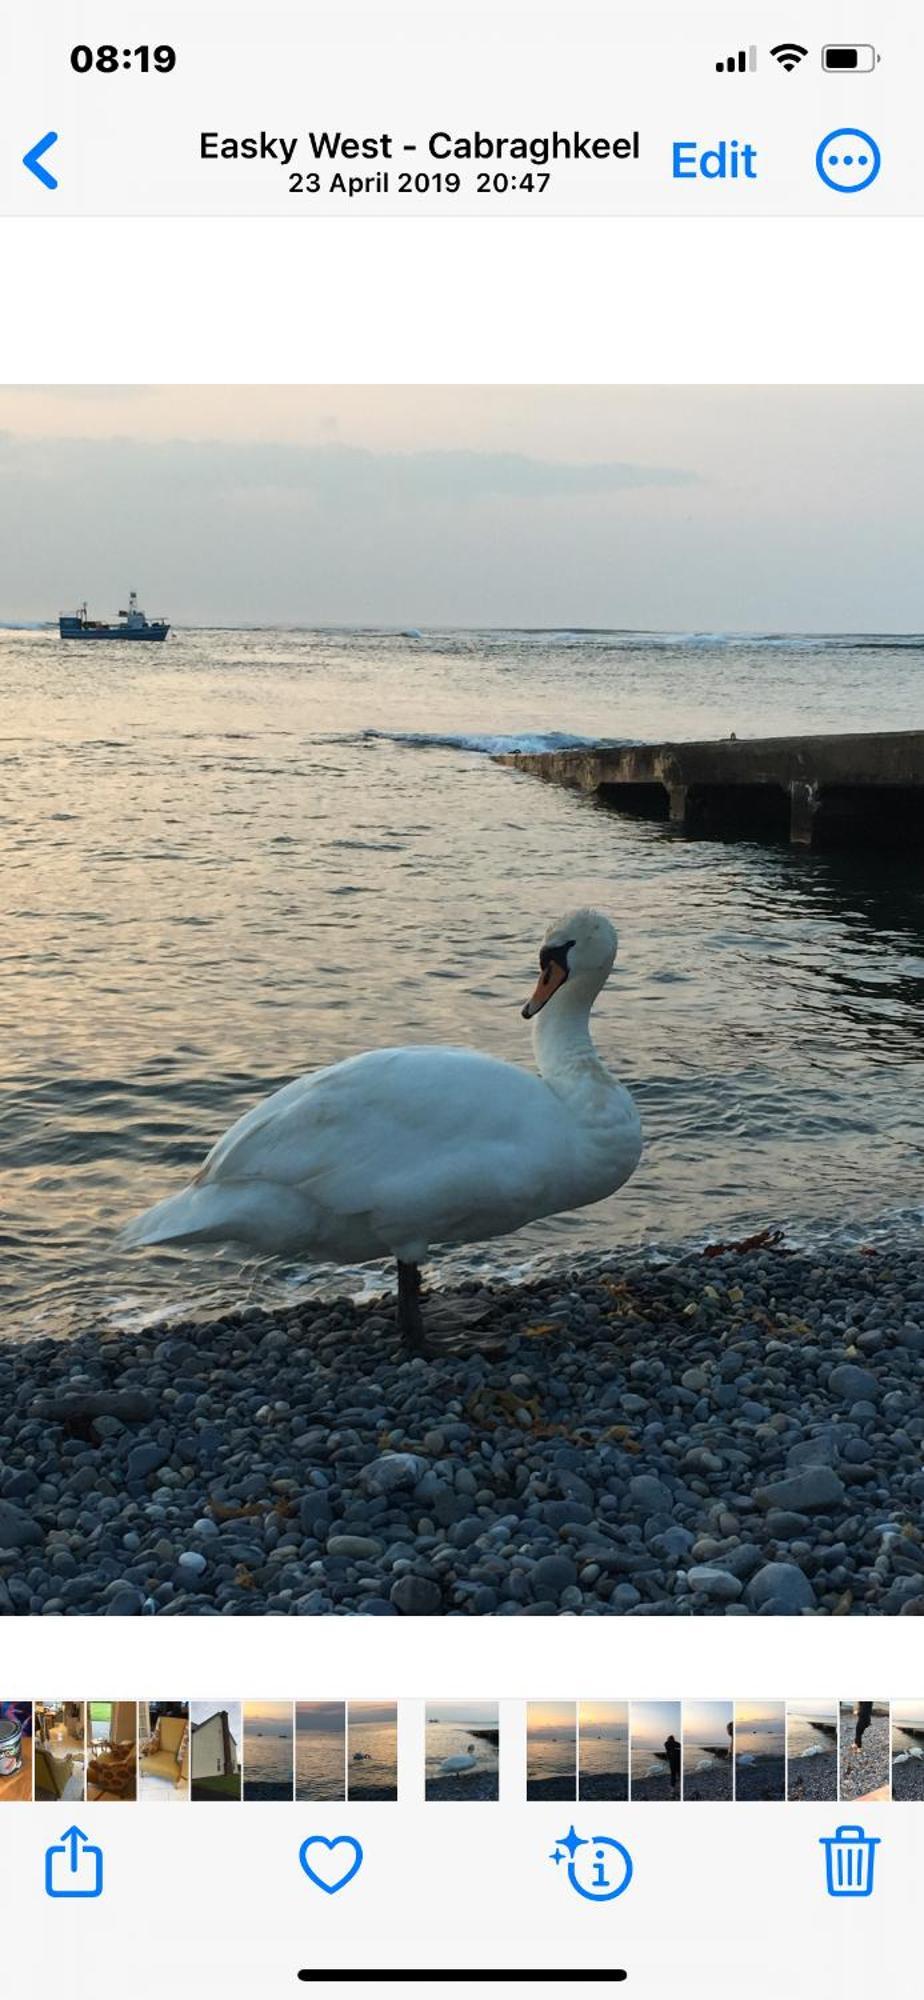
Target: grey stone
817,1450
551,1575
650,1494
192,1562
127,1603
395,1470
785,1526
853,1384
80,1406
717,1583
811,1491
17,1529
144,1459
416,1597
354,1547
783,1584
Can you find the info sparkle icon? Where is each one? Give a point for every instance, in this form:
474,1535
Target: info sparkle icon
598,1868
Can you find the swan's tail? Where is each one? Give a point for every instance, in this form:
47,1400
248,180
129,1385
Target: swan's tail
195,1215
263,1214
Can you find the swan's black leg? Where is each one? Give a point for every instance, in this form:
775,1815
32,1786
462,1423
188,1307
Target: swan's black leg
410,1317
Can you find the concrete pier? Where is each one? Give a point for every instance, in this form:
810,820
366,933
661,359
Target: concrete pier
810,790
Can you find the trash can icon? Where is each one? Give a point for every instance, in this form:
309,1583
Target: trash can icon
850,1855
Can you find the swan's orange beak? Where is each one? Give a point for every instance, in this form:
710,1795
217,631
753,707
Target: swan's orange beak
548,982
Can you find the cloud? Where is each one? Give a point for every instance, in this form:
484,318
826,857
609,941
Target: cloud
347,471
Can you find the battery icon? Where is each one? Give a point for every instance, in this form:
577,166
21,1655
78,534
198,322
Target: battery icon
849,58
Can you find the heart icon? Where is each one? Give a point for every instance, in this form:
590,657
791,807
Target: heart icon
326,1871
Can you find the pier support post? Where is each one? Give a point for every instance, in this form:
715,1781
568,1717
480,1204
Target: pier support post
677,805
803,806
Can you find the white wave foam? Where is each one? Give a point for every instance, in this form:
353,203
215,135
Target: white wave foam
480,744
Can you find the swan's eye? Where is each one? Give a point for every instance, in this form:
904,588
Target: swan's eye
555,954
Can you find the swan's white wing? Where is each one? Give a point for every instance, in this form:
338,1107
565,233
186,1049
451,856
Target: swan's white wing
399,1150
376,1113
421,1139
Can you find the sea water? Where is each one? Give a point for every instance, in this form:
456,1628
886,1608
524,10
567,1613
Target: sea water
759,1736
243,855
604,1746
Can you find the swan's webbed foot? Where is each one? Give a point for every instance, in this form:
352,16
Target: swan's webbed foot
409,1316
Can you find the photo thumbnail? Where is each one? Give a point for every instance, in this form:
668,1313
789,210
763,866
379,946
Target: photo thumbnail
164,1753
656,1751
15,1751
215,1751
760,1751
462,1751
908,1751
866,1753
60,1751
812,1751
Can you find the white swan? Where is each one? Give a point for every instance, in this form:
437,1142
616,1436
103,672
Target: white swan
456,1766
398,1150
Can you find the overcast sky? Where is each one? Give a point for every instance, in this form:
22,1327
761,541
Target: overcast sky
706,509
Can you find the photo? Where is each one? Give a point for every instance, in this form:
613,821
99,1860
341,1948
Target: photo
215,1750
320,1750
709,1750
908,1751
656,1735
760,1751
268,1750
865,1750
112,1767
603,1750
551,1750
462,909
15,1750
811,1751
372,1751
60,1750
462,1750
163,1757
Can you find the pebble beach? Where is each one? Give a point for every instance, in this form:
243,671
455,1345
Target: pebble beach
454,1787
608,1788
735,1433
763,1779
715,1782
554,1789
908,1780
813,1779
652,1787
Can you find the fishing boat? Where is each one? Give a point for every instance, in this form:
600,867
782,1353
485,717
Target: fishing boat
132,624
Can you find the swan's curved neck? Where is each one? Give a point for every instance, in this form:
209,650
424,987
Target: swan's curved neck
562,1041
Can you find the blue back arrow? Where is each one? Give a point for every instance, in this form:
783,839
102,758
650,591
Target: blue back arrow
32,160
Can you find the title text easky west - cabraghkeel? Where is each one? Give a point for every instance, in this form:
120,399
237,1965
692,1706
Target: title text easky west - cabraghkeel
539,149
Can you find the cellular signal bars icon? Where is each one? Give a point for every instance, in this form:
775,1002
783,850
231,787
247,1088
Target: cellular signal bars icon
736,65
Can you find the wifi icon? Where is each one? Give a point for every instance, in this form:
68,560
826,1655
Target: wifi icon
788,54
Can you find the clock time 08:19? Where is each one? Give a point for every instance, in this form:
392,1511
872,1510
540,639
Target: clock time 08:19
107,59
